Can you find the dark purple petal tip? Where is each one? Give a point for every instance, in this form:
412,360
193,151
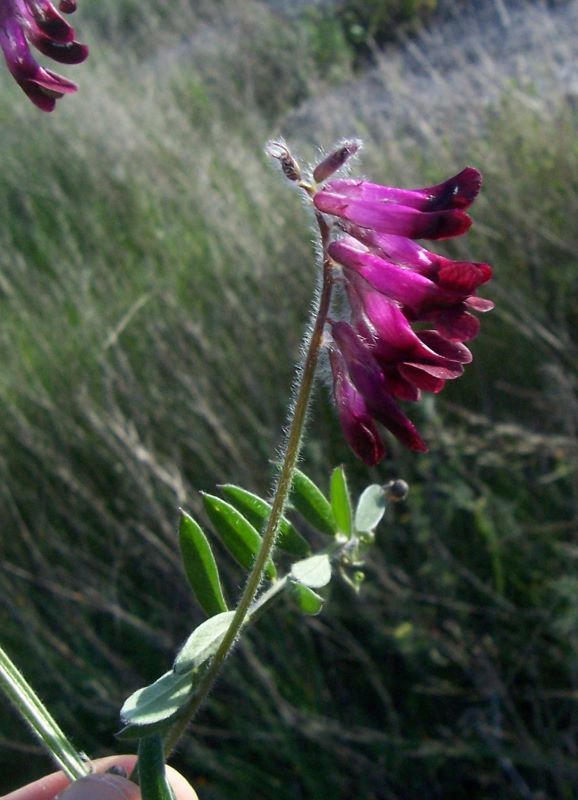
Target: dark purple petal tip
37,22
64,53
457,192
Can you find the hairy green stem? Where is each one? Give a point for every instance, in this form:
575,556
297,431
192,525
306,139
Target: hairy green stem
152,777
32,710
285,479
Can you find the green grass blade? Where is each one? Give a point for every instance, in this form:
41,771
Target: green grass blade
36,715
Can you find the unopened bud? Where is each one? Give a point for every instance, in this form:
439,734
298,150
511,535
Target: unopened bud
396,490
335,160
282,154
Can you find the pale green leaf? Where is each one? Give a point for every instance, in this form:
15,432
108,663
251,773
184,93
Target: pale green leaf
370,508
203,643
314,572
159,701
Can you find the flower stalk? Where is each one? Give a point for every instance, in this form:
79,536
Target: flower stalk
292,449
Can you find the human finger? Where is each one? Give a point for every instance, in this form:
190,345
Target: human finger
50,786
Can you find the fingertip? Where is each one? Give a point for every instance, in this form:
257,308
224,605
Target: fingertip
181,787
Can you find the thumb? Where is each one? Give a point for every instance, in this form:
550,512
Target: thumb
101,787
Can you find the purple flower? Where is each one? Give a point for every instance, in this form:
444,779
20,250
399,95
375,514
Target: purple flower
441,293
458,280
37,22
371,385
357,422
391,282
435,212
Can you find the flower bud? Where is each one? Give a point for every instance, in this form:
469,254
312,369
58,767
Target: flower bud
282,154
396,490
335,160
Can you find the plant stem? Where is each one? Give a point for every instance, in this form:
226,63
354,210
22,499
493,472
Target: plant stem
32,710
152,777
298,416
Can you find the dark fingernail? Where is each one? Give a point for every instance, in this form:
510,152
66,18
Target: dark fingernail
118,770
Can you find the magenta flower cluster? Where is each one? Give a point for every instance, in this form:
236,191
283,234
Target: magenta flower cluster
410,309
37,22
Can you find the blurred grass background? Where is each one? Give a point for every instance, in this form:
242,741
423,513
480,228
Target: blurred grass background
155,275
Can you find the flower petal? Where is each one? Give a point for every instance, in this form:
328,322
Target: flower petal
479,304
65,53
399,386
358,427
49,21
370,382
392,218
457,325
458,191
37,22
455,351
423,380
403,285
462,276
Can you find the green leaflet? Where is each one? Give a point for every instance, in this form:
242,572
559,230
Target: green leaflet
200,566
312,504
153,707
341,501
370,508
314,572
203,643
240,538
308,601
257,511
